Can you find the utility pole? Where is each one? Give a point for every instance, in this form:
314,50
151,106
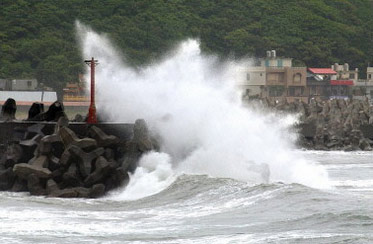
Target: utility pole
92,117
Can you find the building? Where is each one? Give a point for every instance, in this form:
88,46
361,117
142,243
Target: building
251,81
18,85
370,73
344,73
364,87
328,83
283,81
318,82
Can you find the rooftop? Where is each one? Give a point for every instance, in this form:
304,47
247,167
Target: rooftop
322,71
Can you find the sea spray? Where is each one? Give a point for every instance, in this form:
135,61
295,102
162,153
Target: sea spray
190,104
153,174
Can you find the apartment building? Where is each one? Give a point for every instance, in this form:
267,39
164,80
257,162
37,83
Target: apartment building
283,81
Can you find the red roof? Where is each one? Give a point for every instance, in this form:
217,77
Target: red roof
341,82
322,71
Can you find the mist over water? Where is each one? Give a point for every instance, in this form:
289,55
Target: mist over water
190,104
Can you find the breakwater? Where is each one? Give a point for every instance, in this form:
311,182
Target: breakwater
62,159
336,124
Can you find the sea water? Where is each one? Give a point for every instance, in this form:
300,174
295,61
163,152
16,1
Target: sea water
204,209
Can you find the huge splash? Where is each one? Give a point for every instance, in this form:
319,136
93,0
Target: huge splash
190,104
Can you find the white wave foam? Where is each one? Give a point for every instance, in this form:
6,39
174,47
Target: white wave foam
190,103
353,183
153,174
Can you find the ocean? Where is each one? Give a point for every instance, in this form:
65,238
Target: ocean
203,209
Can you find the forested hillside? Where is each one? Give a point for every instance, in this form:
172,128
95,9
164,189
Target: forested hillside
37,38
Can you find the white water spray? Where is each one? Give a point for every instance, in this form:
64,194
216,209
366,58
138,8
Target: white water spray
190,103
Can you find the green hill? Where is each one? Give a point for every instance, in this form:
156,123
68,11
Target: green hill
37,38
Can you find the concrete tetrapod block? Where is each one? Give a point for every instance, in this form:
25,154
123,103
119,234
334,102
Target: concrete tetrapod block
23,170
69,138
13,154
101,171
71,178
7,179
35,129
31,142
45,145
34,186
40,161
85,159
51,187
66,158
103,140
141,136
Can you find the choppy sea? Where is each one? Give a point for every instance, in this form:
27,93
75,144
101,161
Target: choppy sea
202,209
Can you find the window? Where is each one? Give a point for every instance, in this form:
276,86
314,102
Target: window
291,91
247,76
29,83
276,91
296,91
352,76
267,63
297,78
370,76
279,63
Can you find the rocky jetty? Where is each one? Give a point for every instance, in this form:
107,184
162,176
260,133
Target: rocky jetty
337,123
63,163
